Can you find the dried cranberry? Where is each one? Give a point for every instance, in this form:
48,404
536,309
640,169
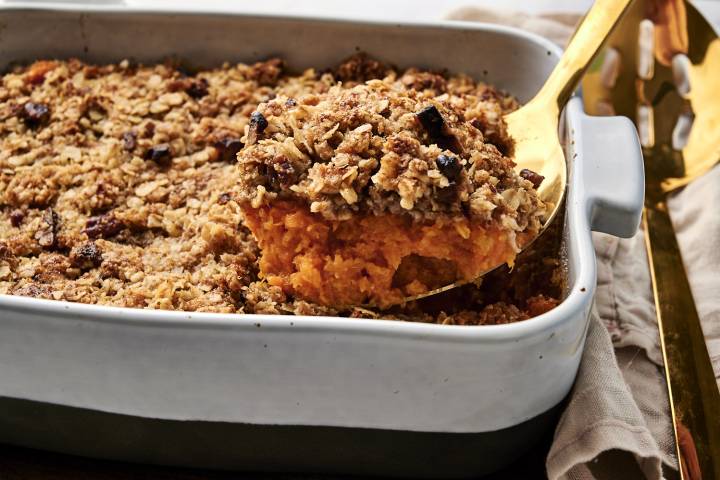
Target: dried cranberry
16,217
224,198
5,252
432,121
149,130
91,71
258,124
447,194
535,178
160,154
197,88
129,141
258,121
281,174
228,148
449,166
477,123
86,256
450,142
103,226
35,114
438,131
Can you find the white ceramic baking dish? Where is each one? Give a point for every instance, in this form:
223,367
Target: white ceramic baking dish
307,393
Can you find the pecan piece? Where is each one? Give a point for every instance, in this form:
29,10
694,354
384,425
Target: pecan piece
360,68
32,290
16,217
422,80
268,72
37,71
86,256
103,226
47,234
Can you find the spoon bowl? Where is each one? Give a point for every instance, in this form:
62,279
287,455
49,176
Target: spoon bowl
534,130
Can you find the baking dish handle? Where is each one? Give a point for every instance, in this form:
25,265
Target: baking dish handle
613,177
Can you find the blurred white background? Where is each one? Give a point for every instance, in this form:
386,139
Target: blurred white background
408,10
393,9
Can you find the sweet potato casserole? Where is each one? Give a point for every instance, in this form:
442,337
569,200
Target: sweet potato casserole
236,189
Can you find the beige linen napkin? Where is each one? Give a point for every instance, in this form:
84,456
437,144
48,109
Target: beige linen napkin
619,401
696,217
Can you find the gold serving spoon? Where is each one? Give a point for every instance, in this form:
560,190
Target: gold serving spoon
662,68
534,127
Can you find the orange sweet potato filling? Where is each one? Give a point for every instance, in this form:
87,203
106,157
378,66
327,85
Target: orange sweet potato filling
369,259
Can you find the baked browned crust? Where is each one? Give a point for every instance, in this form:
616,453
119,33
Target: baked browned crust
365,159
383,148
118,184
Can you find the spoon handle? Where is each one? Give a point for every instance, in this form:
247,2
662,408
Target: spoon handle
590,35
692,388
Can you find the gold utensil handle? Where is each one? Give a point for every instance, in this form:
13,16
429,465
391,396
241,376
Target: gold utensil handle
692,387
587,40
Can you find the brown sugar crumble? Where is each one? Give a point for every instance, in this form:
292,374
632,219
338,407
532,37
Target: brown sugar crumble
346,186
119,184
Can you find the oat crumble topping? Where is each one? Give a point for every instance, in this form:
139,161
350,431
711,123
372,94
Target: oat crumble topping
119,184
383,147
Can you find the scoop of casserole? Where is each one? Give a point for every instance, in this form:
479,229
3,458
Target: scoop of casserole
374,192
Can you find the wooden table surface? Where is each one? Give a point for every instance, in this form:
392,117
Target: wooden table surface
25,464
